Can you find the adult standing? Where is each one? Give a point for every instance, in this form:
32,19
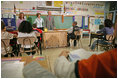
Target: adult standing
39,21
20,19
49,21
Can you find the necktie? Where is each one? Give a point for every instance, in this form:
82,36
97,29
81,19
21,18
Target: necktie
49,18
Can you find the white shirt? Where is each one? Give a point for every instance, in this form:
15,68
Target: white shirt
39,22
32,34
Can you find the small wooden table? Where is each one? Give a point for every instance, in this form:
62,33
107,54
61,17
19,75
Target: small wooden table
55,38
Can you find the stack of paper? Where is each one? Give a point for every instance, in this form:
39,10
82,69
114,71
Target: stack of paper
12,69
81,54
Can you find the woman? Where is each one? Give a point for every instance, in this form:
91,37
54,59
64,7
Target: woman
39,21
107,30
21,18
25,30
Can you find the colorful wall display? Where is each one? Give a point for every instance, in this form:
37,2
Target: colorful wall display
10,21
95,22
92,8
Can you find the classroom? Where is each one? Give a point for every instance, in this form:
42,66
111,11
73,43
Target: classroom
59,39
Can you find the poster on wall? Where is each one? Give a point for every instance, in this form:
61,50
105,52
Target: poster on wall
10,22
48,3
94,23
41,3
58,3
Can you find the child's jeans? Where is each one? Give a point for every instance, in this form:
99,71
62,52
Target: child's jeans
99,42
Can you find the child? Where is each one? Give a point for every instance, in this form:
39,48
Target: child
39,37
107,30
7,35
25,30
71,34
36,29
103,65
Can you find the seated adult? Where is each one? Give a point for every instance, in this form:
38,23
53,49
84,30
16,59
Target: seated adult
71,34
107,30
103,65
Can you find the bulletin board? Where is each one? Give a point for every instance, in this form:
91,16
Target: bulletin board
58,21
9,21
94,23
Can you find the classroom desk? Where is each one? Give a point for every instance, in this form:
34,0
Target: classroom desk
95,35
16,32
55,38
28,59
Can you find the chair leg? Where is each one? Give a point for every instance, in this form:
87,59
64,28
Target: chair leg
19,54
81,43
38,52
14,54
70,42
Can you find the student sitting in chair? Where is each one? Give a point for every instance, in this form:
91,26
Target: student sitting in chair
39,37
26,30
37,31
107,30
71,34
103,65
6,35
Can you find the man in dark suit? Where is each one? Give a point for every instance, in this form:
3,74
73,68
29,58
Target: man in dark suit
71,34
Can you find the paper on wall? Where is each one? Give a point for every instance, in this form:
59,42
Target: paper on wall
41,3
11,16
79,20
86,21
5,16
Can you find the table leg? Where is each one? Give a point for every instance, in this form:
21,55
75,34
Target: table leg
90,40
97,44
40,48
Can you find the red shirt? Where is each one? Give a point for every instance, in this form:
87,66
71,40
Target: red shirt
38,30
99,66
